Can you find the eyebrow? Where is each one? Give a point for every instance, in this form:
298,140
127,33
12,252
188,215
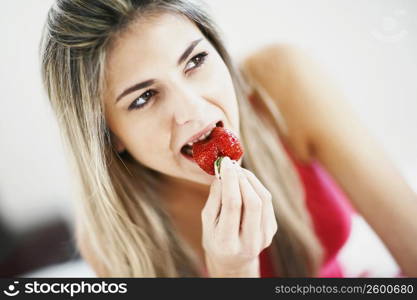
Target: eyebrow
136,87
187,51
149,82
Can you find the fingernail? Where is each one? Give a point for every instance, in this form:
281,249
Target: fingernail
230,163
225,164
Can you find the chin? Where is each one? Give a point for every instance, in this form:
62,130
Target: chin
203,178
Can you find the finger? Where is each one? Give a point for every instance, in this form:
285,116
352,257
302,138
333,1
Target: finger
231,203
211,210
269,222
257,185
252,212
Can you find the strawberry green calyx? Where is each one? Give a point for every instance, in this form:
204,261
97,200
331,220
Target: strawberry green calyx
217,163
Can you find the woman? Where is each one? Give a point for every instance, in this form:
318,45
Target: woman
132,82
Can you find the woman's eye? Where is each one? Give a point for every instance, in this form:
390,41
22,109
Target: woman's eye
196,61
142,100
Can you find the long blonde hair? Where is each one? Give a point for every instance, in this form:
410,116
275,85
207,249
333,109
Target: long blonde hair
119,211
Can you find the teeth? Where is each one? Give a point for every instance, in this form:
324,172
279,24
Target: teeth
204,136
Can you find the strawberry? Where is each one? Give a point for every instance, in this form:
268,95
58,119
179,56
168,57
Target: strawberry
221,142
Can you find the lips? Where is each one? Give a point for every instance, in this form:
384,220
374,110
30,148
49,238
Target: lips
186,149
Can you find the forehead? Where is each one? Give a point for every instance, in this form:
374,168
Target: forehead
147,48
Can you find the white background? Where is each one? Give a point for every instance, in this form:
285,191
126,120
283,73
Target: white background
369,47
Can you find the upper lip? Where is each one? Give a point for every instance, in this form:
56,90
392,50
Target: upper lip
206,129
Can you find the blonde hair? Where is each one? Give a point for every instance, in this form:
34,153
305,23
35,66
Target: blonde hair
119,212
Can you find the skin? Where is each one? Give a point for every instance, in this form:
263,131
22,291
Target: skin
233,216
187,101
322,127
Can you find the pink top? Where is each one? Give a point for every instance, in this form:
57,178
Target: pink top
330,212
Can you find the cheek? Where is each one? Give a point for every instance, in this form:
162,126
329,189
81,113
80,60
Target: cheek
225,93
141,144
148,146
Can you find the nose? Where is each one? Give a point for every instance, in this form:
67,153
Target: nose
187,106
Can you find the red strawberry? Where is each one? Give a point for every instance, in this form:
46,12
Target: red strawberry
221,142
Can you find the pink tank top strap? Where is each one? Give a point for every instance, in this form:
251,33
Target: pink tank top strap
330,212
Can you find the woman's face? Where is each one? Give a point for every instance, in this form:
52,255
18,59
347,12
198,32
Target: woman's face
165,84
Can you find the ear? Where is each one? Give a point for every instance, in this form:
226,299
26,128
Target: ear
117,143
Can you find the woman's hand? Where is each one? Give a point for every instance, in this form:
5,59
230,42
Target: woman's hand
238,223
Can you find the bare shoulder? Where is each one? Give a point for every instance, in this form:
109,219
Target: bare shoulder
285,71
322,122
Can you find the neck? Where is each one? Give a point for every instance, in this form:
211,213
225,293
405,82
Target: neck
182,191
184,201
